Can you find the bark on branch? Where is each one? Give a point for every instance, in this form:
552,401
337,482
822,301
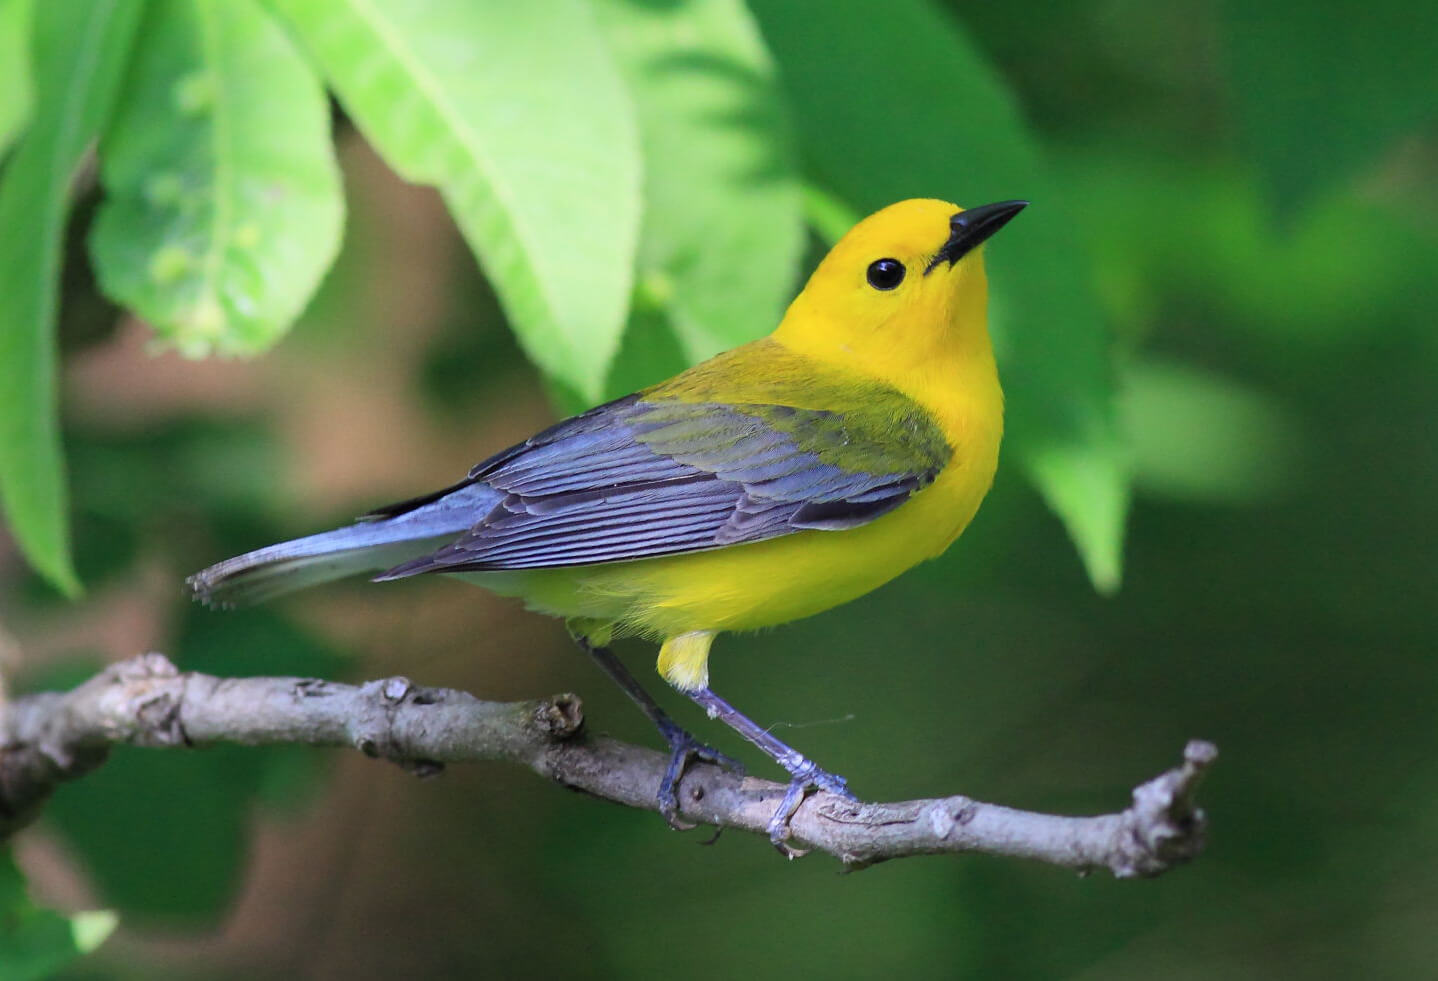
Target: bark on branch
146,701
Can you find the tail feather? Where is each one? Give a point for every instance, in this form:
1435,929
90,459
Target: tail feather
369,545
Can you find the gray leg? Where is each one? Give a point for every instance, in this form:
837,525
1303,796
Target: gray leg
684,748
804,774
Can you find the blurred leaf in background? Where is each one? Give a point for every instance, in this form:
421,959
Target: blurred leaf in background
222,207
16,89
79,52
34,942
1179,242
1239,445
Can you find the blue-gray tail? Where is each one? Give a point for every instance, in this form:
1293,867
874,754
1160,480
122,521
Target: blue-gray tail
374,543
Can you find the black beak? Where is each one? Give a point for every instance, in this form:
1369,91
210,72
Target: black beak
970,229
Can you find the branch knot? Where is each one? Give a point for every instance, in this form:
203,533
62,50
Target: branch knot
1164,827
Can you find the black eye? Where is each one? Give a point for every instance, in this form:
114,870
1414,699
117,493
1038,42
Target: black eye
885,274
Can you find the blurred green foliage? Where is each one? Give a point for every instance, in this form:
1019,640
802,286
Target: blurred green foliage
16,88
1357,77
78,57
1224,293
222,204
35,942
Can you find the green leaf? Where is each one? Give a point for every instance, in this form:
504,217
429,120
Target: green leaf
1197,436
16,91
519,116
901,105
92,927
1086,481
1322,88
224,207
79,54
37,942
722,231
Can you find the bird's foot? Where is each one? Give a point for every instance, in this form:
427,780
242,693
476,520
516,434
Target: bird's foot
805,777
684,750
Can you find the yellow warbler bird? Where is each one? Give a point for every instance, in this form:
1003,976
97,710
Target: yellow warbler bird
772,482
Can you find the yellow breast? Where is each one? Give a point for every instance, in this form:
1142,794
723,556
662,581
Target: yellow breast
745,587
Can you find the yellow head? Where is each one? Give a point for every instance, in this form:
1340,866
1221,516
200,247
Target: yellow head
902,293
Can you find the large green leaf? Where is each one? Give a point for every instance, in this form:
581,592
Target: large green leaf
1324,87
722,229
79,54
16,92
36,942
223,206
900,105
518,114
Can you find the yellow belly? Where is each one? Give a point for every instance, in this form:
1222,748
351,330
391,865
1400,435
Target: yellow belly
745,587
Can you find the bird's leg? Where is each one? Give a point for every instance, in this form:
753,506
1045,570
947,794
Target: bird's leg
684,748
804,774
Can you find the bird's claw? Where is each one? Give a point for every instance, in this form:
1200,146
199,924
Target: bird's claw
806,777
684,750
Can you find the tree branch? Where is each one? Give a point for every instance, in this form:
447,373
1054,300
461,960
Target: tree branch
49,738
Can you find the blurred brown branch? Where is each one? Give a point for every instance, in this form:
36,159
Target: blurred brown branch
49,738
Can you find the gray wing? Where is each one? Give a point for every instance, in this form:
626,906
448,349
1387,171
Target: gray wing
635,479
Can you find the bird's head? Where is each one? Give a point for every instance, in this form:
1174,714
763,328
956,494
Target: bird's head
903,288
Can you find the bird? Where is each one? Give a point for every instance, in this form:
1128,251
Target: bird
776,480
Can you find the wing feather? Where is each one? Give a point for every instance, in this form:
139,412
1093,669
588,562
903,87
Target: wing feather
648,476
